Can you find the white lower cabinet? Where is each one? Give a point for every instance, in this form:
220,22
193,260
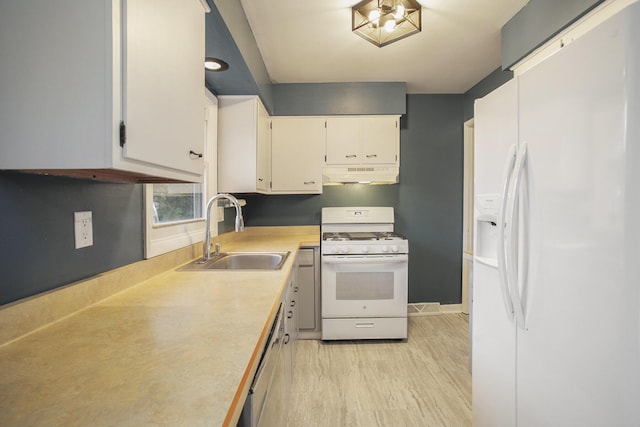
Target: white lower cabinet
297,153
308,287
290,335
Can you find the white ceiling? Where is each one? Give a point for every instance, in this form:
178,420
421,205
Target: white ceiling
310,41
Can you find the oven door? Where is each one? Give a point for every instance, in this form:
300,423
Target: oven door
364,286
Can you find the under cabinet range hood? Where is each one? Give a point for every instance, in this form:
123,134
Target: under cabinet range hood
362,174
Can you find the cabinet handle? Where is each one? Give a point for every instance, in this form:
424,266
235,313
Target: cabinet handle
350,156
295,289
123,133
371,155
287,338
289,314
194,154
260,179
293,303
309,182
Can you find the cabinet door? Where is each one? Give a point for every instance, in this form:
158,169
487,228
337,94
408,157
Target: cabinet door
56,115
297,146
344,136
163,82
380,140
237,143
494,335
263,151
306,297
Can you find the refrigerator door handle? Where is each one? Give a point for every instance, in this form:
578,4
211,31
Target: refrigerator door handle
502,258
521,161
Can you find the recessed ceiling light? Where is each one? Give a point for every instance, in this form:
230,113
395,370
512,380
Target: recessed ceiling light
215,64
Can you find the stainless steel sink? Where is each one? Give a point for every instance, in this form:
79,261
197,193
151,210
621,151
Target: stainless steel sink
240,261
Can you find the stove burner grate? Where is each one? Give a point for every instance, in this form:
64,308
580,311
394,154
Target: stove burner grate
361,235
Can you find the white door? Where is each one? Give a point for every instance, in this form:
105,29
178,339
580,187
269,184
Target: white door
380,140
467,217
297,148
493,339
579,352
263,150
364,286
163,83
344,140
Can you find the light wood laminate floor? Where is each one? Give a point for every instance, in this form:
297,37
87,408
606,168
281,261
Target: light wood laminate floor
424,381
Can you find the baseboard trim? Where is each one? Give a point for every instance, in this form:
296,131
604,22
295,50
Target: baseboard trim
431,308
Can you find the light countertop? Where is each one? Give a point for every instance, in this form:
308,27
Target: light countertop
178,349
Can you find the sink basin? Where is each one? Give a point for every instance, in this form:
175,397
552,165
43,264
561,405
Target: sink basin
240,261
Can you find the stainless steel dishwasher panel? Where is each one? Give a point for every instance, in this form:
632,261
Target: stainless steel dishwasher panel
265,403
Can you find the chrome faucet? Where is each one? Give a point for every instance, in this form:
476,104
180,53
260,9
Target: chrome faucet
206,250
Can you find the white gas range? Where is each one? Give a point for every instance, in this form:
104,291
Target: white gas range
364,266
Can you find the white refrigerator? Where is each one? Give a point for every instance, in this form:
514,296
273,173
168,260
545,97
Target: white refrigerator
556,290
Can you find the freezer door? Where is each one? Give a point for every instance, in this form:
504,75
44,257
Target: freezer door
578,354
493,356
495,131
493,336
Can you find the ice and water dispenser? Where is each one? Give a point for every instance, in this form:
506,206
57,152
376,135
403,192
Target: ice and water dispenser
487,207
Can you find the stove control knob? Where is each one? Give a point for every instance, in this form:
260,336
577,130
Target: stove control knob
335,250
345,250
394,248
365,249
384,249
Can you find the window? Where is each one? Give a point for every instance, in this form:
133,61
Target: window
174,213
177,202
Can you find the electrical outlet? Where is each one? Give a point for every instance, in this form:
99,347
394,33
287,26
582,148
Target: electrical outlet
83,226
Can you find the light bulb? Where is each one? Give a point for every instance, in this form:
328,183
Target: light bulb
399,13
374,16
212,65
390,25
215,64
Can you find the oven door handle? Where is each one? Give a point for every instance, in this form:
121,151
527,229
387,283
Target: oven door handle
368,259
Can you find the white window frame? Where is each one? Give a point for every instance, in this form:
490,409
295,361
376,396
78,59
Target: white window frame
163,238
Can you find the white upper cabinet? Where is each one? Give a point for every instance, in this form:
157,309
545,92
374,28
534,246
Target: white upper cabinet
244,145
363,140
344,141
380,140
164,83
263,155
297,154
75,70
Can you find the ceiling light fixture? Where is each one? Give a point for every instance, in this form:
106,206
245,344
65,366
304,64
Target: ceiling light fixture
215,64
386,21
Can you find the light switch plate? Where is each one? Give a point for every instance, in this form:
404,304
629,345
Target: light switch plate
220,214
83,226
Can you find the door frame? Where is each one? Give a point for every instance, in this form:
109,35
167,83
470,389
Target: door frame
467,216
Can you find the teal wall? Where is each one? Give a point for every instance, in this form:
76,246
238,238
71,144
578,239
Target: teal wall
229,37
37,245
496,79
311,99
536,23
